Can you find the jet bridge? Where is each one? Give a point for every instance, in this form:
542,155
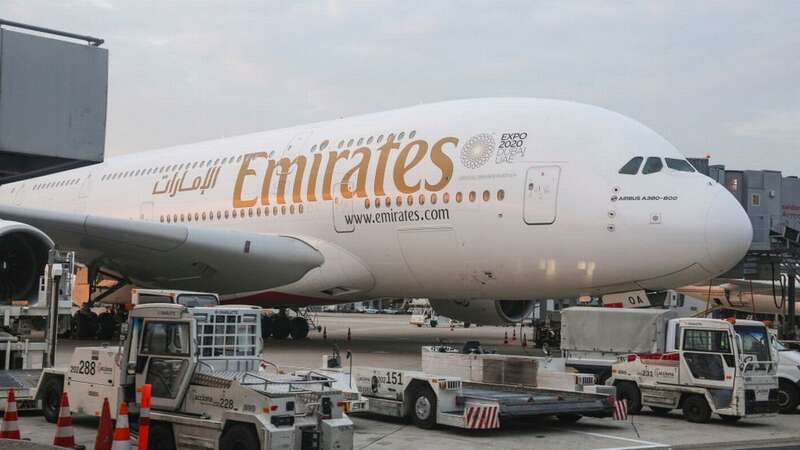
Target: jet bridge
53,95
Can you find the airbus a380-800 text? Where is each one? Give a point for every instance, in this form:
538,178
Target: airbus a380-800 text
481,205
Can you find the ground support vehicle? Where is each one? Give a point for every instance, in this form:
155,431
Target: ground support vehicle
788,378
473,363
704,369
353,401
21,368
27,318
546,334
593,338
422,317
27,332
207,389
435,399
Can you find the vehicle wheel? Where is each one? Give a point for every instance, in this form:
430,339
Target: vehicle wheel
239,437
161,437
106,325
51,398
729,419
628,391
434,323
660,411
298,327
266,326
568,418
423,407
695,409
281,326
788,397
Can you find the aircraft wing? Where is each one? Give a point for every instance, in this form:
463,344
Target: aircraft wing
758,286
175,255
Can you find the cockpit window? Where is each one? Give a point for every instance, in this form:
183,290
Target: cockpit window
632,167
652,165
680,165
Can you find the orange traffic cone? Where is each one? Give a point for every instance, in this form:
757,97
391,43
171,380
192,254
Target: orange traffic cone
9,428
122,434
505,338
325,333
513,334
348,334
144,417
105,432
65,436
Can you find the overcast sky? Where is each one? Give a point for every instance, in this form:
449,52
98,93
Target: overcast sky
719,78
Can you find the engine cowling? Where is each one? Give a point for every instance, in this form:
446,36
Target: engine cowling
23,254
484,312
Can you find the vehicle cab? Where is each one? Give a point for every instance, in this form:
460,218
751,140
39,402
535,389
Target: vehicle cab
204,368
707,367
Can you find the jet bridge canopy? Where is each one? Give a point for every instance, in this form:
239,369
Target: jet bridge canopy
53,93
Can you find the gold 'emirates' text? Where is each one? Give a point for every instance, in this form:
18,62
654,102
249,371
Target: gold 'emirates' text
354,180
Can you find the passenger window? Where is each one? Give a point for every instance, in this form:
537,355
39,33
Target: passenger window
681,165
632,167
652,165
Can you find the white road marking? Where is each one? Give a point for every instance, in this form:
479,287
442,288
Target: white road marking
643,444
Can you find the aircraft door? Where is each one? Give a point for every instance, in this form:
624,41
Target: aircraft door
19,194
343,210
541,195
165,360
83,194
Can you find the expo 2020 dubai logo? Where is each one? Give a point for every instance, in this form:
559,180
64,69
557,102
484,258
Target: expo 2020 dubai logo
477,151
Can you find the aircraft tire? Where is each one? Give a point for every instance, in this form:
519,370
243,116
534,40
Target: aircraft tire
106,326
281,327
298,328
266,326
87,324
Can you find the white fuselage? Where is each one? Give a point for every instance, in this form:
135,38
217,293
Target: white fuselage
494,198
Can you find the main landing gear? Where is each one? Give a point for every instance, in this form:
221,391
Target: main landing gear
281,325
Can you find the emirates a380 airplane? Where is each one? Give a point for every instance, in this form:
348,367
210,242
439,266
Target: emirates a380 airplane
481,205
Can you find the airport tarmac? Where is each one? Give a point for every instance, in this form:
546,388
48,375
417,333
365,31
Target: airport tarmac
390,341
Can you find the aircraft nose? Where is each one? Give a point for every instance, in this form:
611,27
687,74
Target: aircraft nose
728,233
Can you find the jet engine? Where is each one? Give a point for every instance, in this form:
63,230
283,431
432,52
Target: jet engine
23,255
484,312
